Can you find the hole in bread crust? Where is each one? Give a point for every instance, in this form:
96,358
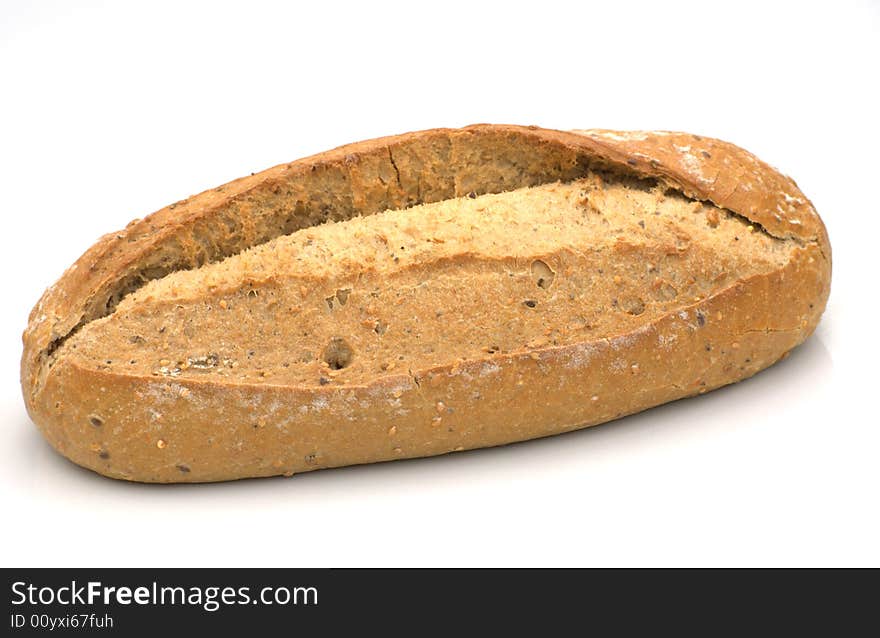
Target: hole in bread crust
633,305
542,274
337,354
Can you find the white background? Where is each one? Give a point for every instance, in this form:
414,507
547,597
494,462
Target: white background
110,111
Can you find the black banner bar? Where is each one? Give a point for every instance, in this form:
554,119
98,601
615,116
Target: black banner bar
134,602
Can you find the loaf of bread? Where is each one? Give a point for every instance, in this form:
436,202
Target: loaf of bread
422,294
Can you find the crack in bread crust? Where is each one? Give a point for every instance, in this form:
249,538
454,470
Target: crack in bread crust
592,257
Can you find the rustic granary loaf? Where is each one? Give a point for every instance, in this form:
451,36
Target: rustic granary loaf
422,294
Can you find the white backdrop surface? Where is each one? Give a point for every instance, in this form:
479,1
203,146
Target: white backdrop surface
111,110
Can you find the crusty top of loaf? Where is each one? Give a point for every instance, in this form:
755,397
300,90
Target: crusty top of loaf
396,172
423,287
720,172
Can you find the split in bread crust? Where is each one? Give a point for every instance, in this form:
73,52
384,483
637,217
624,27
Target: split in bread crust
345,302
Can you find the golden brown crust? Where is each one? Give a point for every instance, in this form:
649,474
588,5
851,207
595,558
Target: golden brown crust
168,431
717,171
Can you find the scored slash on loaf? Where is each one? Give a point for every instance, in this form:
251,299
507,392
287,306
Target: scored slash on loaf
422,294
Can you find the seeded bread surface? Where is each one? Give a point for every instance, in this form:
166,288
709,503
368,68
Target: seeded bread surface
472,287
